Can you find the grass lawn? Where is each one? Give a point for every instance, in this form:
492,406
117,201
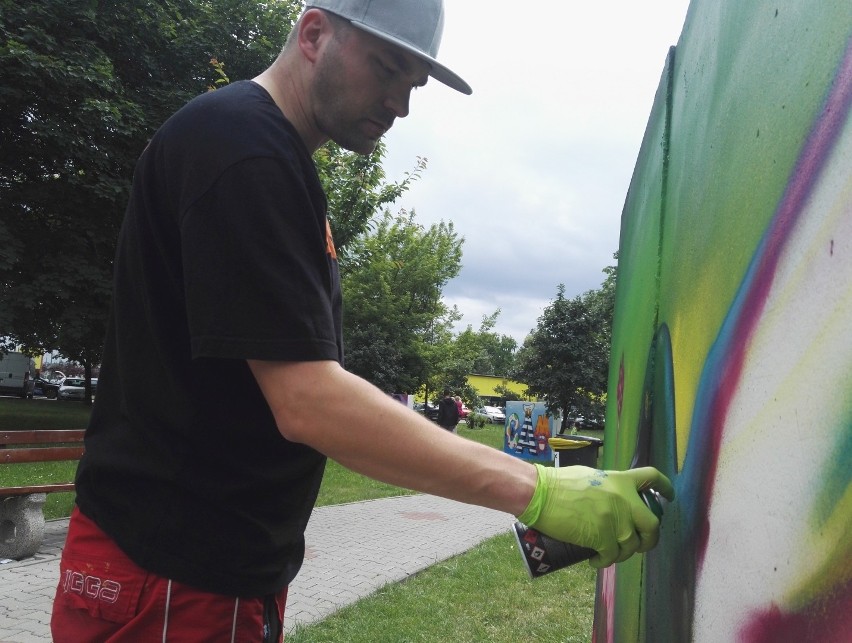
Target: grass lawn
482,595
18,414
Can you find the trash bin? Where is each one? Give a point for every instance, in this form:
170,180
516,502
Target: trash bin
569,450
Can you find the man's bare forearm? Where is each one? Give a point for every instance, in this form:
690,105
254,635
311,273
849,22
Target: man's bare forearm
349,420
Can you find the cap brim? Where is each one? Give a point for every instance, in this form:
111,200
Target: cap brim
436,71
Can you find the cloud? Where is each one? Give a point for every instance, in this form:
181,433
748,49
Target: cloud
533,168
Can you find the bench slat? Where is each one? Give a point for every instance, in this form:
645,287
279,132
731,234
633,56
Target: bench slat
46,454
41,436
39,488
40,446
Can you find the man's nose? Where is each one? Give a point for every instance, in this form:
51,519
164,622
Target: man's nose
397,101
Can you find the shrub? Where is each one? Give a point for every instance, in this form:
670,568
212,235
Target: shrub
476,420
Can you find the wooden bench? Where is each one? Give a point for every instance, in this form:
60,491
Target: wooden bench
21,516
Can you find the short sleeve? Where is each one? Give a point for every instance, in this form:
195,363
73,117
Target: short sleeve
259,281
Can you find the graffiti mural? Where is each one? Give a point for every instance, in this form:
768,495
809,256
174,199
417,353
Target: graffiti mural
731,365
528,428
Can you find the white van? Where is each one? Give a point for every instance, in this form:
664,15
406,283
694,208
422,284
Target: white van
15,369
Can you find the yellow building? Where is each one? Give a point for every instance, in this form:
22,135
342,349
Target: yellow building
485,386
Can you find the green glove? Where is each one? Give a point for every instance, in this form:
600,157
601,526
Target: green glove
601,510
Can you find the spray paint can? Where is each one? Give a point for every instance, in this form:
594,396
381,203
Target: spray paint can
543,555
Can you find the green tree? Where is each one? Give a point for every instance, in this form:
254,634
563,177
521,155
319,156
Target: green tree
602,301
438,355
601,305
64,122
495,353
483,352
461,353
395,321
357,189
560,359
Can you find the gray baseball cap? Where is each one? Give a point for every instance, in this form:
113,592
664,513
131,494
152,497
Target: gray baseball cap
413,25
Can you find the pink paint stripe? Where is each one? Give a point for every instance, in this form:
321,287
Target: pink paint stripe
809,165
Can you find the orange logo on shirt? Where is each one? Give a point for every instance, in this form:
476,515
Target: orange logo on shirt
329,242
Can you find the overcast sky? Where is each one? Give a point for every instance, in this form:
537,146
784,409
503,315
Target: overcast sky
533,168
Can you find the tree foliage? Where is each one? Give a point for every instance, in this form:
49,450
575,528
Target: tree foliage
83,86
395,321
491,353
601,304
566,358
483,352
357,189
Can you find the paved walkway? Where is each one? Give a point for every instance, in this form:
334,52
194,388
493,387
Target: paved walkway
351,551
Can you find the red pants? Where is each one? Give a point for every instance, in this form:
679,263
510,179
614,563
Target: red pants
104,596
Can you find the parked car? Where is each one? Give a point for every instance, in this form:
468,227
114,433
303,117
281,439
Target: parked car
74,388
584,423
45,388
429,410
495,414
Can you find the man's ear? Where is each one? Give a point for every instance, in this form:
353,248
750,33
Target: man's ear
314,27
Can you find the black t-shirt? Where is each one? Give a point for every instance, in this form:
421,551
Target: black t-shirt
448,413
224,255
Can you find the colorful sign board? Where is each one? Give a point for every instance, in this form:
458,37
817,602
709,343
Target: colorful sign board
528,427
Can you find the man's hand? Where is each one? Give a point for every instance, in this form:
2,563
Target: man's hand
601,510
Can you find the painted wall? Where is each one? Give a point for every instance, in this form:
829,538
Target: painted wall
732,345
